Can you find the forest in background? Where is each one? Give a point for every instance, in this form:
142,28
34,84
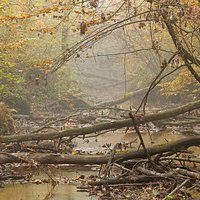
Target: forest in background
71,69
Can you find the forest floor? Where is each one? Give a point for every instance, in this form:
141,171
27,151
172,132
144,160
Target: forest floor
168,174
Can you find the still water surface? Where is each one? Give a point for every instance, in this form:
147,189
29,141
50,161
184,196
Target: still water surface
41,192
68,192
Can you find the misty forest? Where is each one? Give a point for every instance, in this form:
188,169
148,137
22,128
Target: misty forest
99,99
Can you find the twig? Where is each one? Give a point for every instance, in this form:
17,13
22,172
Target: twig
53,122
195,175
140,136
176,189
122,167
181,159
153,173
106,170
49,195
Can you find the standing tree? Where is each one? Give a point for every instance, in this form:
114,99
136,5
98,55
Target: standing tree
171,32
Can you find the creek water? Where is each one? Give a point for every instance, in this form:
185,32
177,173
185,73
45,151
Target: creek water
41,192
44,191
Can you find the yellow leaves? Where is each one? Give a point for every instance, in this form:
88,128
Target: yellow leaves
25,15
40,24
13,46
93,22
51,31
84,11
42,27
43,65
56,8
180,83
190,2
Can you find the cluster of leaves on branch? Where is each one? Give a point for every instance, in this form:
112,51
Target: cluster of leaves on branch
32,35
170,28
181,20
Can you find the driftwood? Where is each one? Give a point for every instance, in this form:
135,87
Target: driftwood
103,126
45,158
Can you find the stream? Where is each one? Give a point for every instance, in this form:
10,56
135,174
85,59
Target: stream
44,191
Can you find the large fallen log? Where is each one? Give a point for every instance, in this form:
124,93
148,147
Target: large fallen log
45,158
124,99
103,126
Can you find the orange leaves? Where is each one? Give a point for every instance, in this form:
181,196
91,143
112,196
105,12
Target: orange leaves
84,25
15,17
103,17
93,22
53,8
190,2
84,11
193,12
83,28
42,27
42,65
93,3
141,25
39,74
51,31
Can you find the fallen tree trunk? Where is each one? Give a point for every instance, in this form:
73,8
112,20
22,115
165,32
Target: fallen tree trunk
124,99
181,123
124,180
44,158
12,177
103,126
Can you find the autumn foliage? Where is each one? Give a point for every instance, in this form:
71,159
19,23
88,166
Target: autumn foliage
6,120
45,35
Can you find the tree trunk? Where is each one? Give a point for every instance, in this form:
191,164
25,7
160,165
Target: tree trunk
103,126
45,158
124,99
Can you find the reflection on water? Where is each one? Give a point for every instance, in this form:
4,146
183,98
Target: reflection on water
119,136
45,191
42,192
68,192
